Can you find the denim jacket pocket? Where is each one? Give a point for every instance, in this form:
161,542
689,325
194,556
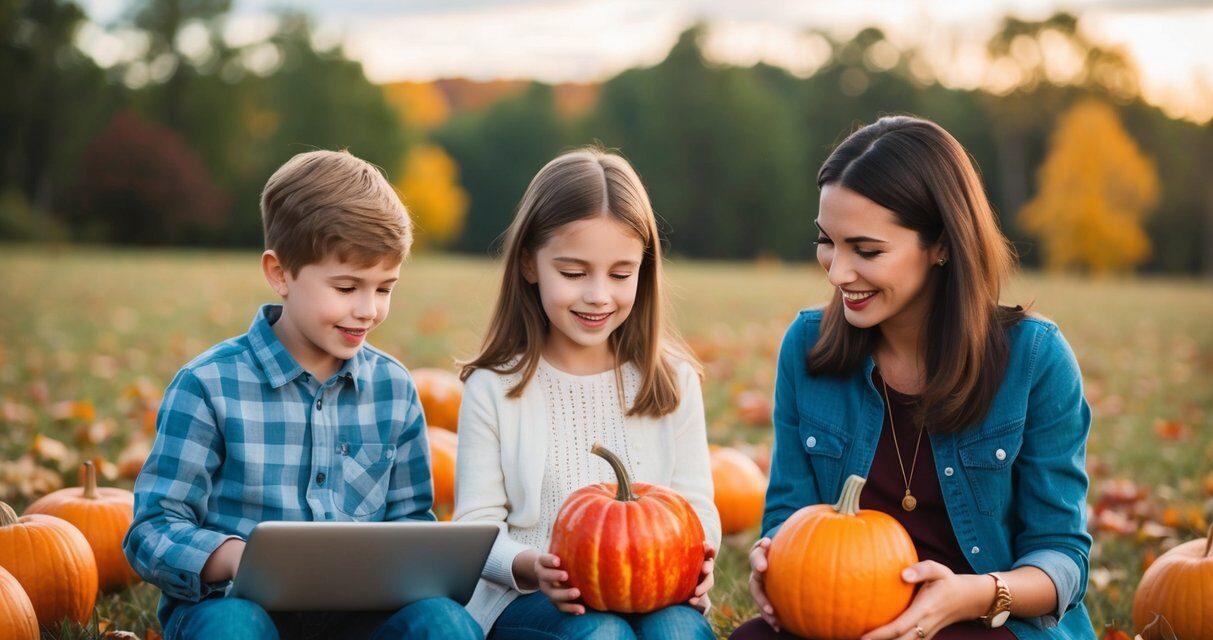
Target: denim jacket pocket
365,472
825,448
988,459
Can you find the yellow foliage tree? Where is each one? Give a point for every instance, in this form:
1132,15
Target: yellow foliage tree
421,104
429,184
1096,187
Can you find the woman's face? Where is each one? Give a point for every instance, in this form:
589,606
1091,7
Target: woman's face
880,268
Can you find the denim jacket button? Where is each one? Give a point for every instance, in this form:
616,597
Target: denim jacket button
811,442
975,551
1000,454
948,471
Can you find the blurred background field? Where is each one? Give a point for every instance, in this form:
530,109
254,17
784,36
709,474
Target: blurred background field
90,338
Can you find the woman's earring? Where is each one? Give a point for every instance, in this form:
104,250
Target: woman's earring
943,261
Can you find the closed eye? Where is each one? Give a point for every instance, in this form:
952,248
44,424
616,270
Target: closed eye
572,274
823,240
345,289
621,276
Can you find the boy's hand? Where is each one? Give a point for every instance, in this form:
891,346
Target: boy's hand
222,564
699,599
551,581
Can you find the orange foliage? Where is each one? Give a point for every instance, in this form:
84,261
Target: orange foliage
430,188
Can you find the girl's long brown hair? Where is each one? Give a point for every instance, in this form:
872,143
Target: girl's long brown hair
916,169
577,185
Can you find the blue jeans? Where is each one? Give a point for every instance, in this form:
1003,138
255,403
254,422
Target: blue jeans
237,619
534,616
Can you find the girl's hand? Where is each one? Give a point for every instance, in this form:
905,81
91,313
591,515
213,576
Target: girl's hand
943,598
551,583
758,572
699,599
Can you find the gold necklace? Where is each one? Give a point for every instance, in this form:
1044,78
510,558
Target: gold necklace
909,502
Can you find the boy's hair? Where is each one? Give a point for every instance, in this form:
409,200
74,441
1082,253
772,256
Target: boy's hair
577,185
325,203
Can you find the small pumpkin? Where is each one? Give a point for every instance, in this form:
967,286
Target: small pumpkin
740,489
103,515
629,548
835,570
443,445
17,619
1176,587
53,562
440,392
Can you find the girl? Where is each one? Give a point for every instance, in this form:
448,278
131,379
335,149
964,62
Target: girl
967,417
577,352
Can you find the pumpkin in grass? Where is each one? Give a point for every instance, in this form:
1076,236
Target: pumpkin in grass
443,445
102,514
440,392
1177,587
740,490
17,619
53,562
835,570
629,548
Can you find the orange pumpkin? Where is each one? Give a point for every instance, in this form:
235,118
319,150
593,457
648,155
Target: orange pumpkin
628,548
103,515
835,571
53,562
440,392
1176,587
443,445
740,490
17,619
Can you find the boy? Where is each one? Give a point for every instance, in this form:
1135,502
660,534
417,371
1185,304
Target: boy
298,419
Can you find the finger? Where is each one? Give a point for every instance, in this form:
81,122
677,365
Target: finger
925,571
905,626
758,592
704,586
570,607
552,575
708,566
708,550
758,559
558,595
549,560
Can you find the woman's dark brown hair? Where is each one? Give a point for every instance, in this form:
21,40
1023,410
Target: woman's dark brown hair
921,173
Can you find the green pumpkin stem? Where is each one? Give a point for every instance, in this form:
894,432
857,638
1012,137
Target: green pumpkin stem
848,502
88,479
8,517
625,481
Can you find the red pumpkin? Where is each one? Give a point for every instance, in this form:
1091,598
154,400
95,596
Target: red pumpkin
1177,587
54,564
740,490
440,392
17,618
103,515
628,548
835,570
443,445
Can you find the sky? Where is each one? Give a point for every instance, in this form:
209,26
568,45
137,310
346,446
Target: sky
591,40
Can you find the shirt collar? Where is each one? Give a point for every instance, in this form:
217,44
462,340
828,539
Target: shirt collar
279,365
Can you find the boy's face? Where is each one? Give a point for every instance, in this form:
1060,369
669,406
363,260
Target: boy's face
329,308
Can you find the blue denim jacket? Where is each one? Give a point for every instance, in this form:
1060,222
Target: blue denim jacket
1015,485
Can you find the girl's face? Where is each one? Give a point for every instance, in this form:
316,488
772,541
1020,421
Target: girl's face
587,275
880,267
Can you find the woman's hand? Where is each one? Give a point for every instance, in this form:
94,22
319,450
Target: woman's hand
551,583
758,574
699,599
943,598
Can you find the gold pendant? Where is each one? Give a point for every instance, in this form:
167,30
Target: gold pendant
909,503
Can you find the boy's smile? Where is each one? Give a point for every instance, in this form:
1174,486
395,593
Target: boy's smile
329,308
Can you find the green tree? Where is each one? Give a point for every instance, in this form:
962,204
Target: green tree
1095,188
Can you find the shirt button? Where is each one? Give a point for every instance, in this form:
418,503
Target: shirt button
975,551
948,471
1000,454
810,442
320,404
320,478
345,449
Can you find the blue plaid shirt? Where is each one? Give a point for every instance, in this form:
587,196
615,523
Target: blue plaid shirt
245,435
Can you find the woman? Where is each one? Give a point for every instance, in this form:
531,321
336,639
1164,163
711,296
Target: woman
966,417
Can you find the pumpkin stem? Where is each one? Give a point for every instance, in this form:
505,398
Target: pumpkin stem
8,517
1209,541
88,479
848,502
625,481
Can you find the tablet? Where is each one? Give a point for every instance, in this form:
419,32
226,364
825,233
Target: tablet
361,566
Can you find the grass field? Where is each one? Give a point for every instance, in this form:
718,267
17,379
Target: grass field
88,339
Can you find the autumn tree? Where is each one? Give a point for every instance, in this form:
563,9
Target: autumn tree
1095,188
430,187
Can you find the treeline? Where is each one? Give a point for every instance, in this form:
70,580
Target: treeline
729,154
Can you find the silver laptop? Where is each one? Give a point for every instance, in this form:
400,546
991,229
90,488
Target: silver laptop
361,566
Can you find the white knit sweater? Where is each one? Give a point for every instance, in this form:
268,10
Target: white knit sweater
520,458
